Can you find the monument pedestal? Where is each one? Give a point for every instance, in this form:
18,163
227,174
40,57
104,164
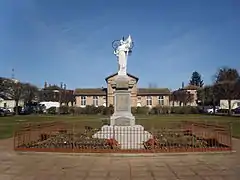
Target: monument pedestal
128,137
122,115
122,123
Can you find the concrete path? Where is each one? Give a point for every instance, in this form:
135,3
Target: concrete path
44,166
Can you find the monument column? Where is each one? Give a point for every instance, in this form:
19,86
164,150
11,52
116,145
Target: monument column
122,123
122,102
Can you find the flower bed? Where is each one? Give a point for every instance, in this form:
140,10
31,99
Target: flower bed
175,138
182,139
70,141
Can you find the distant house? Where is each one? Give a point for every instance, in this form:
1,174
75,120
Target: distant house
54,94
9,103
191,89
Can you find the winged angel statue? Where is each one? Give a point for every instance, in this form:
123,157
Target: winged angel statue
122,52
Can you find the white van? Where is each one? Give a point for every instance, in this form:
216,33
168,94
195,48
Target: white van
49,104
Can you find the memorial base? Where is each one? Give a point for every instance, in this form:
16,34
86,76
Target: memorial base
128,137
122,119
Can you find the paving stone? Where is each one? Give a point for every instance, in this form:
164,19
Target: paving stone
140,174
23,178
6,177
118,178
60,167
118,174
97,174
80,173
165,178
219,178
94,178
14,170
142,178
52,177
167,173
190,178
139,169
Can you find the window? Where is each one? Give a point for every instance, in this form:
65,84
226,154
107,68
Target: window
139,98
149,100
238,104
95,100
83,100
161,100
5,105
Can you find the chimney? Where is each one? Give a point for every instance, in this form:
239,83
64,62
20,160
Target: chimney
182,84
45,84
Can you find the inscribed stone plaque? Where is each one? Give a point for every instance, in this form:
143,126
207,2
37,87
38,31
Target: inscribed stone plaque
122,102
122,121
122,84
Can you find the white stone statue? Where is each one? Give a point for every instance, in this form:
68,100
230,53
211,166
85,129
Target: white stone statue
122,53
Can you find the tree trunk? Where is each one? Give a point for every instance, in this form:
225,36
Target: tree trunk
229,107
16,107
214,106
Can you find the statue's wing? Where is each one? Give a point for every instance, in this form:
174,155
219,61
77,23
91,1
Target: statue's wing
129,39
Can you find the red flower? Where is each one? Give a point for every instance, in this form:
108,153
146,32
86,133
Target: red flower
112,142
151,142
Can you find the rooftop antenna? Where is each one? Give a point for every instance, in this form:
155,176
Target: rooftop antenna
13,75
182,84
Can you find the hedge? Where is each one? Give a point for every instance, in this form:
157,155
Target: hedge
101,110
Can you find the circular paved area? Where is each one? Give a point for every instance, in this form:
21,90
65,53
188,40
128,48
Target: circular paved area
39,166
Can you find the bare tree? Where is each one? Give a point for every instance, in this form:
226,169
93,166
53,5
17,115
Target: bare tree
182,96
14,89
30,92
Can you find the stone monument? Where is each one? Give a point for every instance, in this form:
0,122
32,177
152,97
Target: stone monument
122,122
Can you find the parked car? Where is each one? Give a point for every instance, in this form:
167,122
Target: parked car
2,112
211,110
236,110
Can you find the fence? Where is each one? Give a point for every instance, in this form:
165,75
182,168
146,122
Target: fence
89,137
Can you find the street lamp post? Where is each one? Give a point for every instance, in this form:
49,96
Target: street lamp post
62,94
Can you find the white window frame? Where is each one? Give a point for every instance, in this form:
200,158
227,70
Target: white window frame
149,100
83,100
161,100
95,101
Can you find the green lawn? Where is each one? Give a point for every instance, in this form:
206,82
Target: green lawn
8,124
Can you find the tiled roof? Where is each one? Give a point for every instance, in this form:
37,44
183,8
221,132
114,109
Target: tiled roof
90,91
53,87
4,97
191,87
153,91
127,74
141,91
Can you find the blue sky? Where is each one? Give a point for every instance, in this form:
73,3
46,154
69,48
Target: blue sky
70,40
